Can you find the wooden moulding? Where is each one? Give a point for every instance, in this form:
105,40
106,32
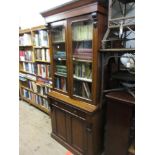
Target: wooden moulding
69,11
66,7
41,27
24,31
122,97
89,108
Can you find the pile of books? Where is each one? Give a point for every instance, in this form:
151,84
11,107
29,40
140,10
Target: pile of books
61,69
42,54
83,53
25,40
44,70
25,55
60,54
41,38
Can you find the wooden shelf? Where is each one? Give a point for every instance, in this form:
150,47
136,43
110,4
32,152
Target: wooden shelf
58,42
40,46
41,95
26,46
82,60
82,40
118,49
82,79
57,74
27,72
28,89
42,61
28,61
60,59
44,77
42,84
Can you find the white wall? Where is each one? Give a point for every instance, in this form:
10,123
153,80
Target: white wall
29,12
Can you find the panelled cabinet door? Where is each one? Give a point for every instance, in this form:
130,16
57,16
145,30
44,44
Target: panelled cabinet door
59,53
70,129
81,39
78,137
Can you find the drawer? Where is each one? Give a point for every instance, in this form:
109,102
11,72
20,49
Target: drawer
69,109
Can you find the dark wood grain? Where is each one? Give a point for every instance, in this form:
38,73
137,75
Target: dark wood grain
119,114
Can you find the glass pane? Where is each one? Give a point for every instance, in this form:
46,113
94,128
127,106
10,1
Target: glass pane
82,33
59,55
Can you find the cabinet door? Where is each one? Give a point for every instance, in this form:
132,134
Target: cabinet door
59,123
78,136
82,57
59,53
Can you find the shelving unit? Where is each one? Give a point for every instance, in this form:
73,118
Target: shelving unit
35,67
118,78
76,34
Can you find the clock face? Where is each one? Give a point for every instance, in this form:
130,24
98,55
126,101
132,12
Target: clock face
128,60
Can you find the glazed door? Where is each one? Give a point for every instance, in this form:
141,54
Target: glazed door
81,38
59,54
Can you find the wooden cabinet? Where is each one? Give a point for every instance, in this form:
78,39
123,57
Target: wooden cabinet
75,128
76,30
119,134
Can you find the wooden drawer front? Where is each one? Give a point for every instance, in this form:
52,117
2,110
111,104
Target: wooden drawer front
70,110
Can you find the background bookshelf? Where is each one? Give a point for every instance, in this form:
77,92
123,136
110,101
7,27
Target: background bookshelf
35,67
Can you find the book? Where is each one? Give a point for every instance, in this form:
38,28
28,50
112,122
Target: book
86,89
47,55
82,31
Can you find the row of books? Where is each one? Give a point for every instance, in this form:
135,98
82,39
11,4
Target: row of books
59,34
42,54
82,89
26,55
83,53
41,38
61,69
29,67
35,98
81,31
43,90
22,77
25,40
41,101
27,76
26,94
44,70
83,70
60,83
60,54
